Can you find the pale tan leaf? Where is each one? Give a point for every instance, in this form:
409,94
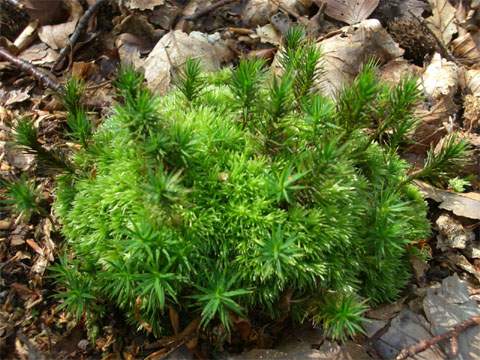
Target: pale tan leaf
464,204
349,11
173,49
345,53
143,4
442,21
465,48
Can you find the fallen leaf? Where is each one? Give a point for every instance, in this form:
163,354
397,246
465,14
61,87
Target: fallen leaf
472,82
397,69
17,96
461,204
46,11
39,54
84,70
143,4
259,12
16,240
171,52
344,54
40,265
35,247
268,34
431,124
386,312
349,11
56,36
465,48
440,79
451,233
463,263
420,268
442,21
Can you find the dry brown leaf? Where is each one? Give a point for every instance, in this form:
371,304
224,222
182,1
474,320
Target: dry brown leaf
345,53
386,312
56,36
464,204
143,4
39,54
171,52
349,11
465,48
472,81
46,11
395,70
463,263
442,21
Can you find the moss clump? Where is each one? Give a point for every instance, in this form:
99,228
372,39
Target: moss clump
240,187
240,190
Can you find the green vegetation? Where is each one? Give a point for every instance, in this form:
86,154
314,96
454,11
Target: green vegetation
239,189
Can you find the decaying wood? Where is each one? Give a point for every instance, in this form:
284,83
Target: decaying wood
82,24
443,49
426,344
31,69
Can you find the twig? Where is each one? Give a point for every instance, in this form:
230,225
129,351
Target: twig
82,24
31,69
426,344
208,9
443,49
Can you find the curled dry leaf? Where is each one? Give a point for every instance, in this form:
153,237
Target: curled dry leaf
345,53
440,79
442,21
171,52
472,82
431,126
268,34
349,11
465,48
143,4
56,36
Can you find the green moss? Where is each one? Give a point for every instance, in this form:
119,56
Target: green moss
254,189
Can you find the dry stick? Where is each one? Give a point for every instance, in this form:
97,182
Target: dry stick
31,69
426,344
82,24
209,9
443,49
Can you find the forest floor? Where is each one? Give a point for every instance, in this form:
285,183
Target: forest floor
436,40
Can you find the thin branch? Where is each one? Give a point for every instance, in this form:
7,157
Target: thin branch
82,24
209,9
31,69
426,344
